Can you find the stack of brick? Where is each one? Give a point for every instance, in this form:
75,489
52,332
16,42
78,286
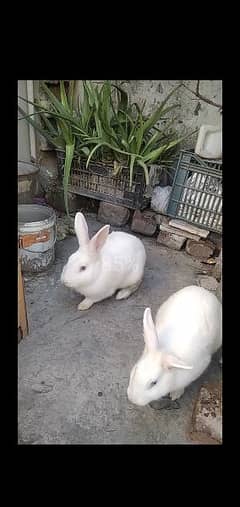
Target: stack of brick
171,233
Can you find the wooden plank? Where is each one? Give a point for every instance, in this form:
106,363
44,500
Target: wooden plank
22,311
180,224
179,232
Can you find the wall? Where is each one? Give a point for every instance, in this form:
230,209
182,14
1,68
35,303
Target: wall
192,112
23,130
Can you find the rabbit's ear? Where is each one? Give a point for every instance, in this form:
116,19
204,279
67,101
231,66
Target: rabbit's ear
149,331
169,361
81,229
99,239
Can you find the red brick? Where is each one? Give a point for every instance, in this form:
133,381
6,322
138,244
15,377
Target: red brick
144,223
113,214
171,240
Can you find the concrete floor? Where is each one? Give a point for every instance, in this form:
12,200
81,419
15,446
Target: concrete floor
74,367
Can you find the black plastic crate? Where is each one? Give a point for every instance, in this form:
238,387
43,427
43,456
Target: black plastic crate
196,195
98,182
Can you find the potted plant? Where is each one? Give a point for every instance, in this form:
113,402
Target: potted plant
105,146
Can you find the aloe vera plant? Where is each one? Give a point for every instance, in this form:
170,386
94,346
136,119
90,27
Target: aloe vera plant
137,139
104,128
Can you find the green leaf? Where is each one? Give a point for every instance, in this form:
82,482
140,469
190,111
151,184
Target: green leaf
139,134
63,95
146,173
155,154
67,169
157,116
123,100
132,161
92,152
40,129
71,94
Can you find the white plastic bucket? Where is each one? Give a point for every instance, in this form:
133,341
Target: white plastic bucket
36,237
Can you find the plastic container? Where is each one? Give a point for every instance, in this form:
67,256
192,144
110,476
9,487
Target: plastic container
209,142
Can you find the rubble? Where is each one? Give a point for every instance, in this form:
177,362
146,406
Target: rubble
207,416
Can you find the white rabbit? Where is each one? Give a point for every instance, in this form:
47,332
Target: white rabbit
104,264
179,347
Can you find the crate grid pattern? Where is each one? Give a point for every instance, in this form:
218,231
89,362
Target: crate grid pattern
196,195
97,182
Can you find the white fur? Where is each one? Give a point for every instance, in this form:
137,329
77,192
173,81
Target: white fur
179,347
113,261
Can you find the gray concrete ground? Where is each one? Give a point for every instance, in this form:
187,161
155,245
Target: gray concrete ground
74,366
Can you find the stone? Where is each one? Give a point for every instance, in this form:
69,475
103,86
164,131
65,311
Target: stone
171,240
65,227
208,282
180,224
48,178
216,239
200,249
207,415
48,172
173,230
161,219
113,214
217,271
144,223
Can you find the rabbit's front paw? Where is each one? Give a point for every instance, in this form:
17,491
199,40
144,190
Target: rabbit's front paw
85,304
176,394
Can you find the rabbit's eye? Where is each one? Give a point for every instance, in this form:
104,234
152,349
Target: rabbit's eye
83,268
153,383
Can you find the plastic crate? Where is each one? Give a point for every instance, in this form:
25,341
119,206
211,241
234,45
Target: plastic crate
98,182
196,195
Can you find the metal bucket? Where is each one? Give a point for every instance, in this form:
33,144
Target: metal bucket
36,237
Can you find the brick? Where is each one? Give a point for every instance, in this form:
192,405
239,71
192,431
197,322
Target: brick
200,249
167,228
208,282
171,240
207,415
144,223
216,239
161,219
180,224
113,214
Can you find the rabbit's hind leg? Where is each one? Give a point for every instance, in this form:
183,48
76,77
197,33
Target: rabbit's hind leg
125,293
85,304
